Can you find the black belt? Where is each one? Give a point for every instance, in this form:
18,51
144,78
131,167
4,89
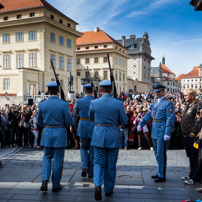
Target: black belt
55,126
159,121
106,125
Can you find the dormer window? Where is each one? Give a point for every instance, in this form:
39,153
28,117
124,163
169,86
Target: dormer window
52,17
31,14
19,16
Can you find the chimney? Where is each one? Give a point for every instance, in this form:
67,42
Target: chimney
132,36
123,40
96,29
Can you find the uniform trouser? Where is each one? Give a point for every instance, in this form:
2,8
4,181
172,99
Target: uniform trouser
192,154
57,154
105,167
160,154
87,155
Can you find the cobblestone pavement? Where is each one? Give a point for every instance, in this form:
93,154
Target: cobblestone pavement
20,178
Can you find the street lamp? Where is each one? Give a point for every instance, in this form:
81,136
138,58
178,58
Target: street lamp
6,95
124,87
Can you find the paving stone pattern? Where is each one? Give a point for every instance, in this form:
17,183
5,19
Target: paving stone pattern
20,178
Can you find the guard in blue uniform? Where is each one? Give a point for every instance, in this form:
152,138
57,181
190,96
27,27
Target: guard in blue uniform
85,131
108,113
54,115
163,114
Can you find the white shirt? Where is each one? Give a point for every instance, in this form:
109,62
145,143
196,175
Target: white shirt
159,99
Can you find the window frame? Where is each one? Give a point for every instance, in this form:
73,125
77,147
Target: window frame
119,76
105,74
87,61
96,59
69,64
32,15
33,63
17,37
7,38
78,61
4,84
31,35
61,38
7,66
19,16
69,43
17,60
61,63
51,37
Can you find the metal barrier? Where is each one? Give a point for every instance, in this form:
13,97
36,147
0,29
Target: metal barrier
36,98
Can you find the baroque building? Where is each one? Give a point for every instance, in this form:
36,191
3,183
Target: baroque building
32,33
139,63
165,76
193,79
92,49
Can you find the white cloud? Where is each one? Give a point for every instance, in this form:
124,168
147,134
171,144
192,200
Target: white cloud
155,5
90,13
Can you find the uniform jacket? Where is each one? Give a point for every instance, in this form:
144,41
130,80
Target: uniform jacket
107,110
85,128
189,123
54,111
164,110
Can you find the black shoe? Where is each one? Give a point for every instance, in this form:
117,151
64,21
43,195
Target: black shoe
159,179
44,186
84,172
109,194
58,189
154,176
98,194
91,176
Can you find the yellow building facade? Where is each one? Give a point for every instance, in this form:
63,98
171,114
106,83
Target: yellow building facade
29,38
92,49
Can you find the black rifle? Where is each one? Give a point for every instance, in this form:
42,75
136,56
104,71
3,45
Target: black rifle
114,94
92,84
62,95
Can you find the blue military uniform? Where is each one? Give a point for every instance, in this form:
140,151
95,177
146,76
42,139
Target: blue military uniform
54,115
163,114
85,132
108,113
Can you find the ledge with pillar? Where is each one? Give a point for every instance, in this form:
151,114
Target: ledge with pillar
197,4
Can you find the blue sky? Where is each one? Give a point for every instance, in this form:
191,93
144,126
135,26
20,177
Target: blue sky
174,28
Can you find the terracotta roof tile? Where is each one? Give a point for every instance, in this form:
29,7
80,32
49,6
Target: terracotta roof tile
193,73
165,69
17,5
98,37
179,77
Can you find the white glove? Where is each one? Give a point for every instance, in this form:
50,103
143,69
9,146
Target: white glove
166,137
139,128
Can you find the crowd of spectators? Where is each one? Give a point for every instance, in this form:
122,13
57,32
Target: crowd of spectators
18,126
